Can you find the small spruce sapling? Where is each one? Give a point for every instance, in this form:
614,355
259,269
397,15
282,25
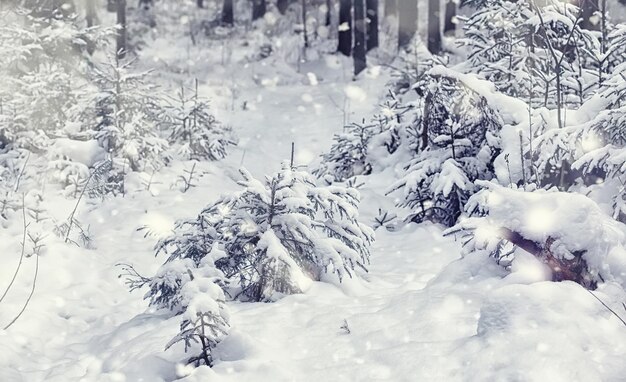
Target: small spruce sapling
200,135
276,233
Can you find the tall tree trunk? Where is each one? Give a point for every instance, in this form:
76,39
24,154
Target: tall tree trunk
121,33
282,6
227,13
391,8
372,24
407,21
329,7
200,3
258,9
449,24
588,8
360,31
305,32
90,13
434,26
92,19
345,27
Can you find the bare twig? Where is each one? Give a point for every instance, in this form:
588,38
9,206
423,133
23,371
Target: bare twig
32,291
19,265
607,307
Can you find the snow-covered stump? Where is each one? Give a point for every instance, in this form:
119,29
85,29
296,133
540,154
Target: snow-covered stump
568,233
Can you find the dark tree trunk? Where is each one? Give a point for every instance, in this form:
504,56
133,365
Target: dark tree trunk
434,26
258,9
227,13
345,27
282,6
449,25
121,33
305,32
92,19
372,24
90,13
588,8
407,21
329,7
359,36
391,8
200,3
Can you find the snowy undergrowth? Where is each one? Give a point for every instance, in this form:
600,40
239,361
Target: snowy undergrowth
421,313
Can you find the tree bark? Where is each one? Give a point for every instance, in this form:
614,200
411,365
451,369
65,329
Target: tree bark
372,24
359,37
258,9
329,7
434,26
200,3
449,25
121,33
345,27
407,21
227,13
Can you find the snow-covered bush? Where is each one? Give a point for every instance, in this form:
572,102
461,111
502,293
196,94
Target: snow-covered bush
361,147
348,155
43,62
276,234
197,131
460,130
126,115
566,231
538,52
190,286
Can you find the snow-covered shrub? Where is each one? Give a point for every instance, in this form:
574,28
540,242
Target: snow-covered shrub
348,154
566,231
533,51
460,131
190,286
43,62
192,290
126,116
197,131
363,146
276,234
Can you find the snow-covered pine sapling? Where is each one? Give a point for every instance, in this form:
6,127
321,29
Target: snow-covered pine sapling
128,115
348,154
205,319
383,219
459,129
277,232
200,135
190,286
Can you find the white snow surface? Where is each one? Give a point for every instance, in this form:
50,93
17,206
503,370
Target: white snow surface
421,313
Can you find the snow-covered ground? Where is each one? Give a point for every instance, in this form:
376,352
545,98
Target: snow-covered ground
422,313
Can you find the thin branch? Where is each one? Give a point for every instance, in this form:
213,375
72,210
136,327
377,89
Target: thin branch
32,291
606,306
19,265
